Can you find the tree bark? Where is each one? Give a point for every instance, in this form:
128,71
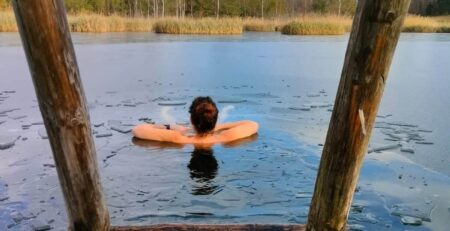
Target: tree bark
374,36
51,58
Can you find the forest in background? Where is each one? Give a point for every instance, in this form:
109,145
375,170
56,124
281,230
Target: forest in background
232,8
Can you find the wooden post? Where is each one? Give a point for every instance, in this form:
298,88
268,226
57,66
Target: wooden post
374,36
51,58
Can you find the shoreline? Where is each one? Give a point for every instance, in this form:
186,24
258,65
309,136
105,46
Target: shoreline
314,24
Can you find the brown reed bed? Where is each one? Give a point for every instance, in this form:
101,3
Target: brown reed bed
7,21
260,25
311,24
420,24
211,26
313,28
100,23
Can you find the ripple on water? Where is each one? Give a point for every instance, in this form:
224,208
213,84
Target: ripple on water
220,183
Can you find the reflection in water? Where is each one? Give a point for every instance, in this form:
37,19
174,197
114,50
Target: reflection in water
203,166
155,144
203,169
239,142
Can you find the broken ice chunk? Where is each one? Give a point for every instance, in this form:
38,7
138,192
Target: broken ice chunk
121,129
384,148
407,220
301,108
172,103
7,141
406,148
43,133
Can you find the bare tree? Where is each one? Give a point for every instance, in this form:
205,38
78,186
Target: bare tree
304,7
108,7
184,8
218,9
155,8
276,9
177,7
339,9
163,3
262,9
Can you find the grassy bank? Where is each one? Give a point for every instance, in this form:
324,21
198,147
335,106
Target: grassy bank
88,23
313,28
303,25
421,24
199,26
7,22
258,25
100,23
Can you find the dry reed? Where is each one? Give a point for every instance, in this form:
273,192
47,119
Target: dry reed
313,28
420,24
306,24
7,22
259,25
100,23
199,26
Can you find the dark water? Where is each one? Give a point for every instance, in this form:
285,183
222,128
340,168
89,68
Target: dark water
266,179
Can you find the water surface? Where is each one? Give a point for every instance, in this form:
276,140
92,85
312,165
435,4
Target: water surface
258,76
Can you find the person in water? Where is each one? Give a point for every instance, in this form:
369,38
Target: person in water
204,114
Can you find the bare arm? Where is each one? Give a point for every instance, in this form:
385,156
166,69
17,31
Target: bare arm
152,132
238,130
225,126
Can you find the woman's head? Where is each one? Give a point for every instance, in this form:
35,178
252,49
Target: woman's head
204,115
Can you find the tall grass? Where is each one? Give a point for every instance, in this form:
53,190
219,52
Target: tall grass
307,24
7,22
199,26
420,24
260,25
313,28
100,23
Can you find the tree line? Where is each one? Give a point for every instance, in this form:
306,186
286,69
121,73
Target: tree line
208,8
226,8
212,8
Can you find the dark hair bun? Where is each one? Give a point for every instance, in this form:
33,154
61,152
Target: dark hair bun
204,114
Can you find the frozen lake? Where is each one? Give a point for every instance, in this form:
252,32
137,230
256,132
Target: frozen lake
265,77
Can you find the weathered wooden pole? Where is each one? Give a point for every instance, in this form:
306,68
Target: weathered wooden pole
374,36
51,58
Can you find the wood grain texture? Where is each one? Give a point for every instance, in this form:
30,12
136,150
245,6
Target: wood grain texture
204,227
374,36
51,58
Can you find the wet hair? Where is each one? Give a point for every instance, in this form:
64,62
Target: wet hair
204,115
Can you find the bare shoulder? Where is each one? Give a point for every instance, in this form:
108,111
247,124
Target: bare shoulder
244,129
231,131
150,132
